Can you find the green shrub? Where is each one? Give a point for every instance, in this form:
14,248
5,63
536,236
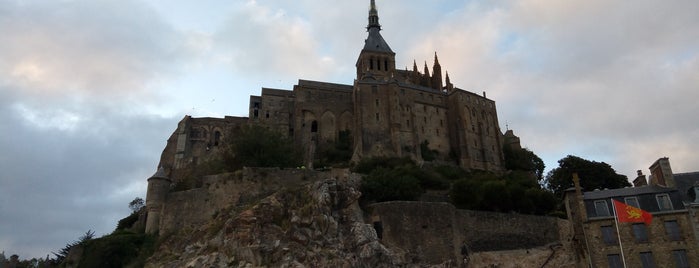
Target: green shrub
390,184
128,221
119,249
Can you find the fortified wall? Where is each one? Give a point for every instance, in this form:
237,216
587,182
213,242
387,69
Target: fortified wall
433,232
427,232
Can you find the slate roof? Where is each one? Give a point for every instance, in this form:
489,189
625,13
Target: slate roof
629,191
684,181
376,43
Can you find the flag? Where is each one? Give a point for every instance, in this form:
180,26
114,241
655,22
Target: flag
626,213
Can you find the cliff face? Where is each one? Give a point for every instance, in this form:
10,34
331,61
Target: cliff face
318,224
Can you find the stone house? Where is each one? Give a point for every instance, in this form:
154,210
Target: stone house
668,241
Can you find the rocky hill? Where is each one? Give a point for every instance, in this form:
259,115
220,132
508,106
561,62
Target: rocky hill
316,221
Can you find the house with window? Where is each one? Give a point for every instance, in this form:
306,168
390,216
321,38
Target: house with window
668,241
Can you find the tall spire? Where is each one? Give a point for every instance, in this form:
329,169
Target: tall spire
373,17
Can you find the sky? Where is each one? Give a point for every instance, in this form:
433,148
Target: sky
90,90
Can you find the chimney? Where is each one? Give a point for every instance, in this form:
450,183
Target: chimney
640,179
661,173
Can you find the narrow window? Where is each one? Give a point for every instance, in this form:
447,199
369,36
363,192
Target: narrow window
680,257
407,123
437,132
614,261
601,208
640,232
664,202
608,235
217,138
314,127
377,117
371,63
647,260
672,229
632,201
385,65
377,102
267,115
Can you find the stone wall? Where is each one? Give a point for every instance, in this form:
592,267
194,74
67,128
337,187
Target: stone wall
435,232
191,208
491,231
424,230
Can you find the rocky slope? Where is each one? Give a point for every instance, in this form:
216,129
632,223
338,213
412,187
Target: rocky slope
319,224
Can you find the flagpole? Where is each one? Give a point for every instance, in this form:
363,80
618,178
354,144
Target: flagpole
616,222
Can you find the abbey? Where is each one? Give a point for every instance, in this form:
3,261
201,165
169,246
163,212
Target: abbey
386,112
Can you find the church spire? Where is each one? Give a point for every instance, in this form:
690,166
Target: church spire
373,17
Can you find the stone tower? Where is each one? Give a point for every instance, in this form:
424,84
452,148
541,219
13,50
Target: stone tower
158,188
376,59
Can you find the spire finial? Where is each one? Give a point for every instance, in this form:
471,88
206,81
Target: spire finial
373,16
436,61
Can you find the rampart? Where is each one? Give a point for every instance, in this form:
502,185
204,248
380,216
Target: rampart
423,232
195,207
434,232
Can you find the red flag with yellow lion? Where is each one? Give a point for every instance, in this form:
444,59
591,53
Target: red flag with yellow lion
626,213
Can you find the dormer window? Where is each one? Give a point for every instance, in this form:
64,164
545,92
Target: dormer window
664,202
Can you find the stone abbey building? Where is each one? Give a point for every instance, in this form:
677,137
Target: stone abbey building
386,111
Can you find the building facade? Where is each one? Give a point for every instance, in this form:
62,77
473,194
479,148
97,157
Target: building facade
670,240
387,113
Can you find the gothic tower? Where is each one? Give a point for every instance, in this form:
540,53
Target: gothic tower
377,58
437,74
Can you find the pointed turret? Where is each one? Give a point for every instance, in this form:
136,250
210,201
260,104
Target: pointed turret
449,85
373,17
376,56
436,74
426,78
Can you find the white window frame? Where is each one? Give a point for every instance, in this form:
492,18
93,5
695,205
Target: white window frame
669,202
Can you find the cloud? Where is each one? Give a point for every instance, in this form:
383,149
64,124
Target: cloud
260,40
606,81
79,140
96,47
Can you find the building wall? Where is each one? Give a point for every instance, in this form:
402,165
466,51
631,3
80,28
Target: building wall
437,231
658,241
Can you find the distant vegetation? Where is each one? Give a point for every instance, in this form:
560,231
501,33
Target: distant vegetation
517,190
593,175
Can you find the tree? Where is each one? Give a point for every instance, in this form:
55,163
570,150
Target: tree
136,204
593,175
524,159
258,146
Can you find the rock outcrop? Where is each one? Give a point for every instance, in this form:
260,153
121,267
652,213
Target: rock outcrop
318,224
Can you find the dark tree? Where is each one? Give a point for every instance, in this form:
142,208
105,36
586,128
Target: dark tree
593,175
257,146
525,160
136,204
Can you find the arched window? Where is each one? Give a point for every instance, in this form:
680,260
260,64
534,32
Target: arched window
217,138
314,127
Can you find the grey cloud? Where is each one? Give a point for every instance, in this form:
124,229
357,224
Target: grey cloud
102,47
56,185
